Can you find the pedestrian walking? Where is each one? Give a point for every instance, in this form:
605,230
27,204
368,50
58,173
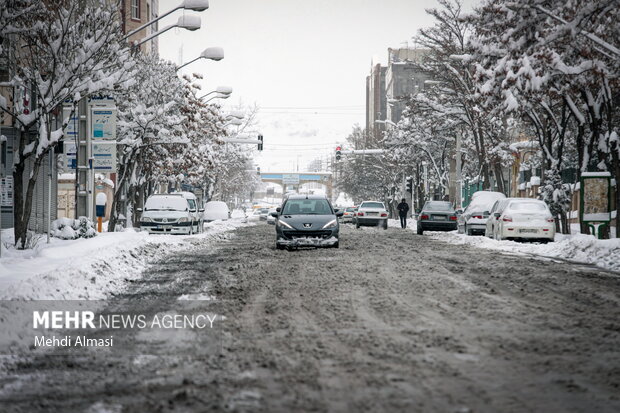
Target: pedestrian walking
403,208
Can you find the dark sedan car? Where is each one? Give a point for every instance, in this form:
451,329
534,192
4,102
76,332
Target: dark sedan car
306,221
437,216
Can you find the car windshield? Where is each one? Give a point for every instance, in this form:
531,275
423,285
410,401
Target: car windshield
438,206
307,207
372,205
528,206
165,203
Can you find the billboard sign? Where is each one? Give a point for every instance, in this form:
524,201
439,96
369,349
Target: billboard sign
104,156
290,179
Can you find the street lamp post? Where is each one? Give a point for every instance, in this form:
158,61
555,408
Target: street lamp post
190,23
222,90
210,53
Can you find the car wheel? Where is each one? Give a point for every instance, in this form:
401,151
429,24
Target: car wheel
357,225
420,230
336,245
385,224
279,247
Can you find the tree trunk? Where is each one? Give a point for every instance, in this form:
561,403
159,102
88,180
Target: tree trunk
23,204
20,225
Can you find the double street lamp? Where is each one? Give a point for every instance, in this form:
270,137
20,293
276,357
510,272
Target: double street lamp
193,5
190,23
221,92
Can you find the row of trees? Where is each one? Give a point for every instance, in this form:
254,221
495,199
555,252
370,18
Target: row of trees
544,71
64,51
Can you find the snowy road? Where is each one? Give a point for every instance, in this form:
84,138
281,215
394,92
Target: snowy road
391,321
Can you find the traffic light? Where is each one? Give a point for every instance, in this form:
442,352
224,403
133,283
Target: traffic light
260,145
258,170
338,153
410,184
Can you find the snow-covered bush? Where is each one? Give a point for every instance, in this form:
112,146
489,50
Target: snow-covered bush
67,228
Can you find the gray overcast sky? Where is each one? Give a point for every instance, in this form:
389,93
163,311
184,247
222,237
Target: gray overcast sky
292,54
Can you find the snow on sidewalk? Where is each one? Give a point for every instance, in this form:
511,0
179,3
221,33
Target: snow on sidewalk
578,248
91,269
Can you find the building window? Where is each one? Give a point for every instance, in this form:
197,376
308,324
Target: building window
135,9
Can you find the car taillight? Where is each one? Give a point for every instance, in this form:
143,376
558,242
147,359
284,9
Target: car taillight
550,220
423,216
477,216
360,214
506,218
384,215
453,218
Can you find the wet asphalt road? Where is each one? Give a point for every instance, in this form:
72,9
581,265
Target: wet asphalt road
391,321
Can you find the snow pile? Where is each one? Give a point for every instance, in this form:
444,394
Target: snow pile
67,228
578,248
91,269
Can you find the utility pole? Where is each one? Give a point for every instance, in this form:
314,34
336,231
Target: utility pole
82,162
459,174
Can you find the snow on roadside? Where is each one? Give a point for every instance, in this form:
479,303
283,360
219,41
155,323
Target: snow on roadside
91,269
578,248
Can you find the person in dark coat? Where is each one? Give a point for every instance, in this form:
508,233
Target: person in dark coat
403,208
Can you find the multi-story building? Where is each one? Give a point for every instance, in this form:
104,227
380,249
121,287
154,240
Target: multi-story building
403,78
376,101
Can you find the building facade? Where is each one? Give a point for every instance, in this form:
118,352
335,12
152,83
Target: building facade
403,78
376,100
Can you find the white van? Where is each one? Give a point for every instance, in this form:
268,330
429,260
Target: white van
167,214
195,209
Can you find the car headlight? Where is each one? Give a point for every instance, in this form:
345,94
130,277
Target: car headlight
146,219
284,224
183,220
331,224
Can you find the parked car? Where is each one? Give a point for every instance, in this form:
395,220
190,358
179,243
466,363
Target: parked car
436,216
216,210
348,214
522,219
271,220
307,220
492,220
371,213
167,214
264,213
194,208
255,215
473,220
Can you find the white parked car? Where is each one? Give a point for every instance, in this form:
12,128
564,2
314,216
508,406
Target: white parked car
349,213
216,210
194,208
371,213
270,218
473,220
167,214
255,215
521,219
238,214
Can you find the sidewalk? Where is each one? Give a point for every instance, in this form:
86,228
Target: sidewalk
90,269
